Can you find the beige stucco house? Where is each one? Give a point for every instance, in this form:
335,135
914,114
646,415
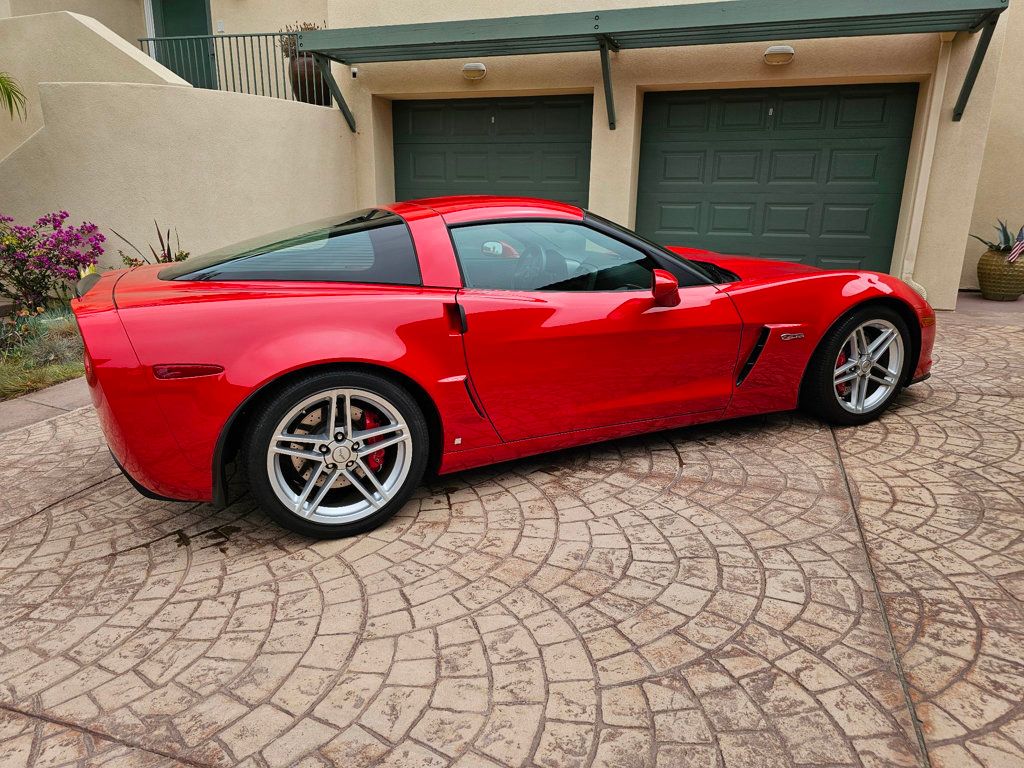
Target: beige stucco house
847,154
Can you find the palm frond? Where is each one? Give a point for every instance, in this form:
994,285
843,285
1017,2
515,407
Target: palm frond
11,96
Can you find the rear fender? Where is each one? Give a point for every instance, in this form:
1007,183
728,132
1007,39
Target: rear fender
260,340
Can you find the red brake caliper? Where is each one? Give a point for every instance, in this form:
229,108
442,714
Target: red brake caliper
376,459
843,388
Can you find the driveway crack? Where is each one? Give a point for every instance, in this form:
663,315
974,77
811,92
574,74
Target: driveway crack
900,673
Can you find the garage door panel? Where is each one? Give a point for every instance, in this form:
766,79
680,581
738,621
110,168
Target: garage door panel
789,220
514,120
852,164
806,112
743,113
468,166
533,147
427,166
849,221
691,116
794,166
422,121
733,166
569,119
683,167
841,229
733,219
512,166
803,174
466,121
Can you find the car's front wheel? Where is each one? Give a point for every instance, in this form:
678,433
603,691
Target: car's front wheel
859,367
337,453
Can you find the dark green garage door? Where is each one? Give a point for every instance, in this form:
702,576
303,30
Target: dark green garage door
803,174
538,147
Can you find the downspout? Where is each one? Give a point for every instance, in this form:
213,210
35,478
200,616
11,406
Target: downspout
935,98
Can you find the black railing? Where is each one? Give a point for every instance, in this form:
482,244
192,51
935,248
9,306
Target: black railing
260,64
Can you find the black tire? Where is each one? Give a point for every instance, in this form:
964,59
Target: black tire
262,429
818,392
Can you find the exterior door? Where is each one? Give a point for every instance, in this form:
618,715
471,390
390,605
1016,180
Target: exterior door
813,175
191,59
534,147
563,333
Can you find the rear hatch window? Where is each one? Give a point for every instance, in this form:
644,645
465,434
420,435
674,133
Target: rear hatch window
371,246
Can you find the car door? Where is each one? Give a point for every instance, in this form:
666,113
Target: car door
563,334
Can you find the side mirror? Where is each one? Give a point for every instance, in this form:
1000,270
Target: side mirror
499,249
665,288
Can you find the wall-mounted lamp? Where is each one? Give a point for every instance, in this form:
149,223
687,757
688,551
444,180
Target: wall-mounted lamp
474,71
779,54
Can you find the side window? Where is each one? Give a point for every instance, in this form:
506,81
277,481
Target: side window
368,247
548,256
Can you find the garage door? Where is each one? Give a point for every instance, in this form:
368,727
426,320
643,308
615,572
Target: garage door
803,174
538,147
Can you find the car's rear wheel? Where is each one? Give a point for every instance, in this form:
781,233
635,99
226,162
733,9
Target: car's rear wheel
337,453
859,367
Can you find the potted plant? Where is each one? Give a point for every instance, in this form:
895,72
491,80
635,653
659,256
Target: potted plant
1000,272
308,84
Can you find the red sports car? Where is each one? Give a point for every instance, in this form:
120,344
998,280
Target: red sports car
338,361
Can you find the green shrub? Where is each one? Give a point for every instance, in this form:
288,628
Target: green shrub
37,351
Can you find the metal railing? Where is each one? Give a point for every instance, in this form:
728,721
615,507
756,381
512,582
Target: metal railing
260,64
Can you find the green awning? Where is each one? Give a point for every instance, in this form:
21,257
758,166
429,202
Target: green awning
733,21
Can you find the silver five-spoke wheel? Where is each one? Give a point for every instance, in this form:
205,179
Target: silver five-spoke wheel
868,367
340,455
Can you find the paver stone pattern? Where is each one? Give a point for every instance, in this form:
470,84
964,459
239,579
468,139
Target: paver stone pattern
765,592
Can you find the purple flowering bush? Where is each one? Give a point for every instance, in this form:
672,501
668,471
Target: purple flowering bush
39,261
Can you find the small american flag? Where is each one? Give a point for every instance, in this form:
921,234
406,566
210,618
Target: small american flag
1018,247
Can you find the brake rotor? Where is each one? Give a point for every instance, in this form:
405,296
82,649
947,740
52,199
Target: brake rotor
311,425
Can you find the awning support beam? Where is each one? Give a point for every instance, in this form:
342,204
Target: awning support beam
324,65
606,74
976,61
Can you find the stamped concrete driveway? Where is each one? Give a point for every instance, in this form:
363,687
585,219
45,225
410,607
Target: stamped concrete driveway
765,592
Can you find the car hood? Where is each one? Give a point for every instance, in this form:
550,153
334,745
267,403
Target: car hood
745,267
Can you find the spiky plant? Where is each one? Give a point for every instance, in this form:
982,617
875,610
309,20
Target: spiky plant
11,96
1003,243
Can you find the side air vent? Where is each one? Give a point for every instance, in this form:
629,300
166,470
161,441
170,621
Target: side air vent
755,353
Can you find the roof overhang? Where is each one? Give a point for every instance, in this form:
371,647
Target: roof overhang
732,21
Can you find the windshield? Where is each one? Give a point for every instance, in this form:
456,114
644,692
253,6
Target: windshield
698,268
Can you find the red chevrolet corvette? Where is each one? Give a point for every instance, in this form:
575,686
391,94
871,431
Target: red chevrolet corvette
337,361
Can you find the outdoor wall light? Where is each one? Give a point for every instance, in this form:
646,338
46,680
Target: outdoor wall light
474,71
779,54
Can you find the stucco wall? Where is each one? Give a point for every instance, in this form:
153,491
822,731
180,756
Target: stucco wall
266,15
58,47
124,17
219,167
1001,185
955,169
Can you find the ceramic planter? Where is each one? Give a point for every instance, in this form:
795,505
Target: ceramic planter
999,280
308,84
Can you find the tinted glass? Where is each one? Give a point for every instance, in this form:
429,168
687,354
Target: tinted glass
549,256
687,272
366,247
